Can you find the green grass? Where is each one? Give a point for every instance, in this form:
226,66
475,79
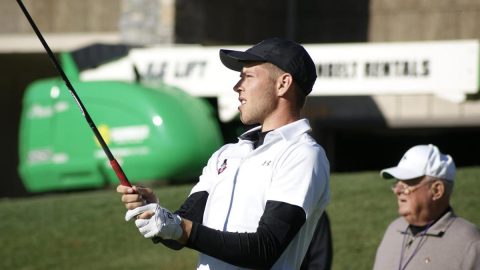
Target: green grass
86,230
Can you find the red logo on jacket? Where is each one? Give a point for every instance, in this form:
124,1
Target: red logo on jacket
222,167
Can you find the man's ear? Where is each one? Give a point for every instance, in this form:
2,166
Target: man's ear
438,190
284,82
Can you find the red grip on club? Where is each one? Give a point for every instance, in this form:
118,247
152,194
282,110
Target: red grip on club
120,174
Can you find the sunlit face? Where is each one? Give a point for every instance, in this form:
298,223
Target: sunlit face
414,199
256,93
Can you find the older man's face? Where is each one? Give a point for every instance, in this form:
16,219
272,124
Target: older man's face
414,200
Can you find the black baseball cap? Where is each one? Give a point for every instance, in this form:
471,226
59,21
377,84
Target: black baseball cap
289,56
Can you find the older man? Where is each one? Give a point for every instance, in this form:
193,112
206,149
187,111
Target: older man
428,235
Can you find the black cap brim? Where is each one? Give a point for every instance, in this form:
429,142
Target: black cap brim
235,60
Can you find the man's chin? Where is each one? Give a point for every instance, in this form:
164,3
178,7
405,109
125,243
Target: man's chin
408,218
248,122
403,213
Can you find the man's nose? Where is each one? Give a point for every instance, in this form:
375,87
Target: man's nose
237,87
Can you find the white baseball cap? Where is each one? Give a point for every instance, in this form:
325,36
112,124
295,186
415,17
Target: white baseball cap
422,160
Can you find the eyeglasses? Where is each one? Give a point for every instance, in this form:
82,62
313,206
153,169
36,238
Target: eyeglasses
406,189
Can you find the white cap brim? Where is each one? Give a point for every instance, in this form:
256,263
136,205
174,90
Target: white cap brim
400,173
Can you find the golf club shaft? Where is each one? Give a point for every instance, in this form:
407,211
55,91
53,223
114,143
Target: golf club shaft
113,162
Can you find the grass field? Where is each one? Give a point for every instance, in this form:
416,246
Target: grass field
86,230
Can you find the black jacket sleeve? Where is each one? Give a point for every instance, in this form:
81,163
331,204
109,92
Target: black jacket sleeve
278,225
193,207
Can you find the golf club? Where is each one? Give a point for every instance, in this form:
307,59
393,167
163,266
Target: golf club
113,162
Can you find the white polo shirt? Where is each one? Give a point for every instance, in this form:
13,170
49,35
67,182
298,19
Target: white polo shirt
288,167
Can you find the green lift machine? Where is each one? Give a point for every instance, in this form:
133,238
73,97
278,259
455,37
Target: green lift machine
155,132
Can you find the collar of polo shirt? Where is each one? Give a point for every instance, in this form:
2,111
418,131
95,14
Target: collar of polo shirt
286,132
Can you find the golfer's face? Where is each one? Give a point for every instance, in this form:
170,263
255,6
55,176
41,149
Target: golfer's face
256,93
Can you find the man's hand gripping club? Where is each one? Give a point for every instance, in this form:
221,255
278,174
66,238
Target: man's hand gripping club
151,219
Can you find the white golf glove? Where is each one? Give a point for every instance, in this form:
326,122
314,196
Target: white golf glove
163,223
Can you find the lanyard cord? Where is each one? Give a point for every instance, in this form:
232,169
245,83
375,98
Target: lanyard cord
417,248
